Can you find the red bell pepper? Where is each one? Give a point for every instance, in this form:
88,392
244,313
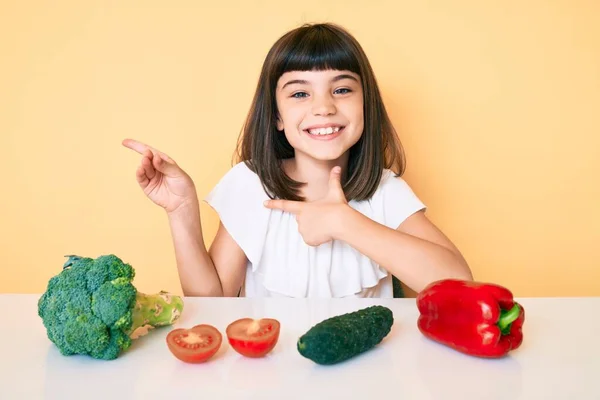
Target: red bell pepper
479,319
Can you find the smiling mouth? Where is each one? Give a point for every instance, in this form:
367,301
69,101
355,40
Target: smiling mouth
325,131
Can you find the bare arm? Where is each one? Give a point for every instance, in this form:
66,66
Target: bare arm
197,272
201,273
230,262
217,272
417,252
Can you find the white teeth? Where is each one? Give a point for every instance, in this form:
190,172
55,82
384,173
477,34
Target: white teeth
324,131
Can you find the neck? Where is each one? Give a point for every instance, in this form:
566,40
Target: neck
315,173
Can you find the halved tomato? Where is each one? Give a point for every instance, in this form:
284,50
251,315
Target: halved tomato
253,337
194,345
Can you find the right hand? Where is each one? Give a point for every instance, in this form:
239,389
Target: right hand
161,179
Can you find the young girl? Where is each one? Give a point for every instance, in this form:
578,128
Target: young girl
315,206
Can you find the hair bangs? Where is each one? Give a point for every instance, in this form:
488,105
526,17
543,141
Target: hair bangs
318,49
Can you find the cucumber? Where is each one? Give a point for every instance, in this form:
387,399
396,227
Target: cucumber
344,336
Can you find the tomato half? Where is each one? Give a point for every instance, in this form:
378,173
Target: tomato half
253,337
194,345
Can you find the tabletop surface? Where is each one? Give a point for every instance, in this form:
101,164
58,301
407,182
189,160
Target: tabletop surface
559,358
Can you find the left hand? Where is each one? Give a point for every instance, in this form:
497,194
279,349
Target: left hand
318,221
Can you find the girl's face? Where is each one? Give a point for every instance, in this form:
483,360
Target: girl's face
321,112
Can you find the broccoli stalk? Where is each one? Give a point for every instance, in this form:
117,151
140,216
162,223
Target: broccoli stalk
154,310
92,308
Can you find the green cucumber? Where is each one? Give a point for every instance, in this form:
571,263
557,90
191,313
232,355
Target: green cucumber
344,336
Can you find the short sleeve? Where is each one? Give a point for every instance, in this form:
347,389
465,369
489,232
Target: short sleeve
396,200
238,200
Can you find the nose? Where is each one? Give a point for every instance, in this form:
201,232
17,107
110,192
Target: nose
323,105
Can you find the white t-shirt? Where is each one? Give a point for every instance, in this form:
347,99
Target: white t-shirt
281,264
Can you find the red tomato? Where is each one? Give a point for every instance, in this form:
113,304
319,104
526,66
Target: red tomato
195,345
253,337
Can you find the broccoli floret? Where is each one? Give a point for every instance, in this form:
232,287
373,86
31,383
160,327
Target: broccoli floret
92,308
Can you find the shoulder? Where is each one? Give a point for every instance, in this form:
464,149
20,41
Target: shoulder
240,188
393,201
390,179
240,177
239,172
392,185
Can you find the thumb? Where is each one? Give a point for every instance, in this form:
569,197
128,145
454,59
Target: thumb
336,192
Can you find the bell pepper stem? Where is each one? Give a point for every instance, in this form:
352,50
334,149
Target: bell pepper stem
507,317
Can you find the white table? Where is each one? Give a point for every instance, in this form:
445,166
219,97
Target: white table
559,358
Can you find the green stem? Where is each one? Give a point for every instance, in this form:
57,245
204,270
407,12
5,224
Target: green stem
153,310
507,318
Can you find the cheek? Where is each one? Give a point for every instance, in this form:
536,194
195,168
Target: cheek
357,113
360,117
292,117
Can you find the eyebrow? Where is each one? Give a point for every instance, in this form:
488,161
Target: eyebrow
334,79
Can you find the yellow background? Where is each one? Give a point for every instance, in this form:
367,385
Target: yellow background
497,105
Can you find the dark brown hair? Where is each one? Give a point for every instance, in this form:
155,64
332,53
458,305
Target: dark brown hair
318,47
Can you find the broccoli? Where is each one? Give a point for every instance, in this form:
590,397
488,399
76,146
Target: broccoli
92,308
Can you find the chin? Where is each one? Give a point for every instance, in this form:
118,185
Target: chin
325,157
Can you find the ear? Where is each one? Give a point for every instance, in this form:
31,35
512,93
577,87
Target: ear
279,124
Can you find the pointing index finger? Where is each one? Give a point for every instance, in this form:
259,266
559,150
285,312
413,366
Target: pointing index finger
290,206
142,148
135,145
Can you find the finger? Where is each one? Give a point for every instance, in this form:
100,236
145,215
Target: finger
293,207
336,192
142,147
135,145
140,176
147,164
165,166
